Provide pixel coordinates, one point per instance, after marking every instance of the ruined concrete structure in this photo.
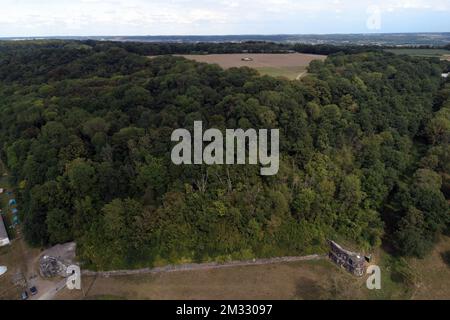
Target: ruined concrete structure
(51, 267)
(353, 262)
(4, 239)
(55, 260)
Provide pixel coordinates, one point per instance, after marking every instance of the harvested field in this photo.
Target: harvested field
(289, 65)
(261, 60)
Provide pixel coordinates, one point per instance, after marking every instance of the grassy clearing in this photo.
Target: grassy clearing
(290, 73)
(433, 273)
(401, 279)
(294, 281)
(413, 278)
(397, 279)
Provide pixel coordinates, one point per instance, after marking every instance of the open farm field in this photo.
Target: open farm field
(289, 65)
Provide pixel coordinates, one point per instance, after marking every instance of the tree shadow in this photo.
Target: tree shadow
(446, 257)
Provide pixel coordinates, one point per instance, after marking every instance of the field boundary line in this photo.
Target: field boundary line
(202, 266)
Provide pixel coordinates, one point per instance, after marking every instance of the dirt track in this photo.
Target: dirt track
(201, 266)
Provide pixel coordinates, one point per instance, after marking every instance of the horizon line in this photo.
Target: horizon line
(231, 35)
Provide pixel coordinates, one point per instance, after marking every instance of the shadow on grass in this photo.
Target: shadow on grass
(446, 257)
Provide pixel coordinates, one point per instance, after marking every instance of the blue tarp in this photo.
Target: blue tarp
(15, 211)
(12, 202)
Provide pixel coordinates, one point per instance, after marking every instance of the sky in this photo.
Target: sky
(34, 18)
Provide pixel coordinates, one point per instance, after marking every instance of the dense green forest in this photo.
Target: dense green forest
(85, 131)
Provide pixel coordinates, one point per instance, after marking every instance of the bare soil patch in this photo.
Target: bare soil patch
(258, 60)
(292, 66)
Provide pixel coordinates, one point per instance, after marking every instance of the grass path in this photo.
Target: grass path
(301, 75)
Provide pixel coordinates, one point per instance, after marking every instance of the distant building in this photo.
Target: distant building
(445, 75)
(4, 239)
(353, 262)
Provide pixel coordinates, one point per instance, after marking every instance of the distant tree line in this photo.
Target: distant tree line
(171, 48)
(249, 47)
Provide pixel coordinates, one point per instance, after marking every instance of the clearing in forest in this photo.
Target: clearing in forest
(288, 65)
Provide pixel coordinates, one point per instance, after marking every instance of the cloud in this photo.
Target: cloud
(91, 17)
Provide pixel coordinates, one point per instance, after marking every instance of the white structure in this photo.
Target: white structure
(3, 270)
(4, 240)
(445, 75)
